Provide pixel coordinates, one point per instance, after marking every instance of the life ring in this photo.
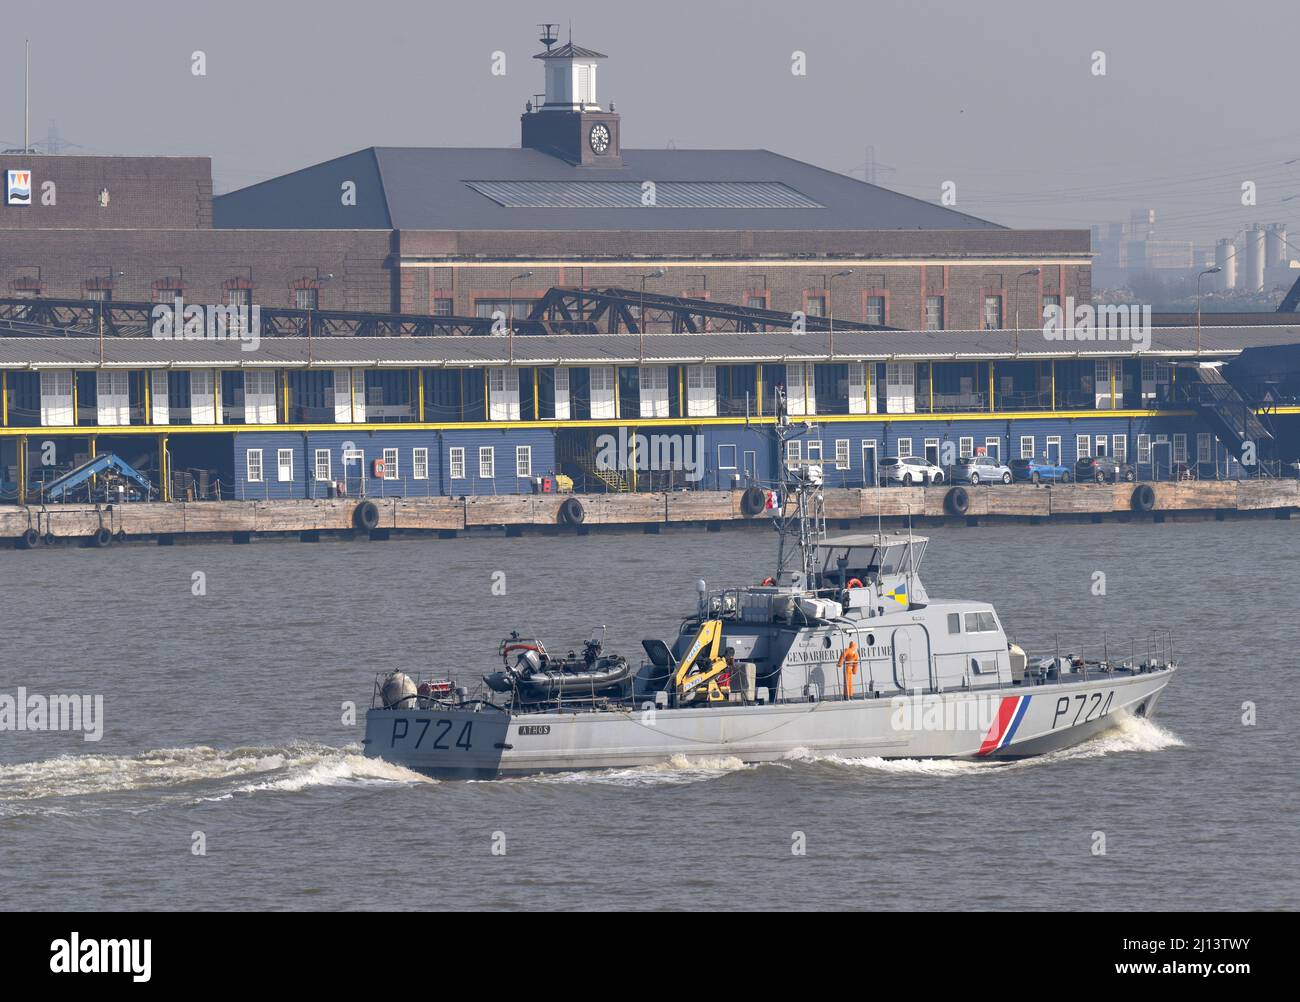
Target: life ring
(572, 512)
(853, 583)
(753, 501)
(957, 501)
(366, 515)
(768, 583)
(1144, 498)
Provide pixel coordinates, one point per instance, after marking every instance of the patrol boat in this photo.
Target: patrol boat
(840, 652)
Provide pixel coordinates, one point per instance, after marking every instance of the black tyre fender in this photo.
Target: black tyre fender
(957, 501)
(752, 501)
(30, 539)
(1144, 498)
(366, 515)
(101, 537)
(572, 512)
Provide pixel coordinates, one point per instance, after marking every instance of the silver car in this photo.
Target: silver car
(908, 470)
(979, 470)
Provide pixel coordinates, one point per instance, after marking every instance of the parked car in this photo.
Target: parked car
(1102, 469)
(1039, 469)
(908, 470)
(979, 470)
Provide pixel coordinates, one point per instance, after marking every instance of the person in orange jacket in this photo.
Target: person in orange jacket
(849, 662)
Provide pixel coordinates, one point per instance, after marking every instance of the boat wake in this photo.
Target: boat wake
(1130, 734)
(676, 771)
(196, 774)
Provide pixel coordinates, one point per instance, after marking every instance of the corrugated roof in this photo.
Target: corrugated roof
(619, 349)
(629, 195)
(427, 189)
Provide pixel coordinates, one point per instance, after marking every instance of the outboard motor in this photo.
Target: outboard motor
(396, 690)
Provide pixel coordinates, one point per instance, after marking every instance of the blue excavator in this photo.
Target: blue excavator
(105, 477)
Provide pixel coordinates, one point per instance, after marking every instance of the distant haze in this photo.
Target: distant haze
(997, 97)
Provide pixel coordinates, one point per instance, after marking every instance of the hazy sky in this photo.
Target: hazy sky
(998, 97)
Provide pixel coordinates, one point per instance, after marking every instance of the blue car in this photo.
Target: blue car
(1040, 470)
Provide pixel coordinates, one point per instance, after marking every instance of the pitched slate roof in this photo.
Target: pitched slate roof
(421, 188)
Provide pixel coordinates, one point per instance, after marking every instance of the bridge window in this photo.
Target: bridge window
(954, 622)
(980, 622)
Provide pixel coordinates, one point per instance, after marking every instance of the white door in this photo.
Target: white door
(562, 394)
(857, 388)
(203, 397)
(259, 396)
(56, 397)
(900, 388)
(343, 396)
(113, 390)
(701, 391)
(503, 394)
(654, 391)
(603, 403)
(159, 402)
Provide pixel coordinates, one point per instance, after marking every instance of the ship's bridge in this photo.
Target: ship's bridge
(869, 556)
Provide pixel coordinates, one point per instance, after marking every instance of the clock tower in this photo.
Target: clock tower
(567, 121)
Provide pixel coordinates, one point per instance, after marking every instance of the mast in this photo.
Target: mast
(806, 524)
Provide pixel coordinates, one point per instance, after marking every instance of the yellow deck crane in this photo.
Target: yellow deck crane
(702, 666)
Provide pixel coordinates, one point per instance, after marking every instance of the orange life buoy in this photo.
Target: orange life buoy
(853, 583)
(768, 582)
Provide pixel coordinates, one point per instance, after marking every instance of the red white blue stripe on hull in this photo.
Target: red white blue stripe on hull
(1003, 729)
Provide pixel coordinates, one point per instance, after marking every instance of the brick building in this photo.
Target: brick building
(446, 230)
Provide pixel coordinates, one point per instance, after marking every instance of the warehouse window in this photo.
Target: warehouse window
(284, 465)
(306, 299)
(793, 453)
(904, 448)
(815, 306)
(1203, 443)
(966, 447)
(487, 467)
(1026, 446)
(1144, 448)
(457, 464)
(523, 460)
(993, 313)
(1180, 448)
(1119, 447)
(390, 464)
(323, 474)
(443, 307)
(1082, 446)
(254, 459)
(875, 311)
(934, 313)
(842, 461)
(419, 464)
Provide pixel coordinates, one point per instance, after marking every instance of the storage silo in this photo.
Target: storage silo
(1275, 249)
(1225, 256)
(1252, 280)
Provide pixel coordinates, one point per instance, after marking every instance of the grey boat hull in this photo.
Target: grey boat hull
(481, 742)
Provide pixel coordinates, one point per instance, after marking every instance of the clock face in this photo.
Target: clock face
(599, 138)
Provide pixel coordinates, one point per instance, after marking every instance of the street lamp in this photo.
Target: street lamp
(640, 320)
(510, 306)
(1024, 274)
(1208, 271)
(830, 307)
